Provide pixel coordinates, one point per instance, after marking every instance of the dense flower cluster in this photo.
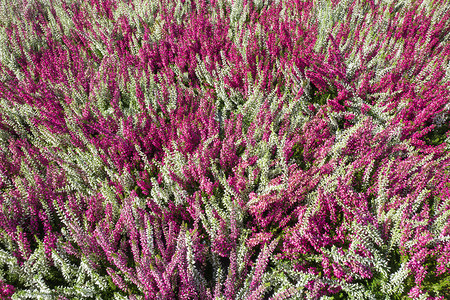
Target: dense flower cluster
(224, 149)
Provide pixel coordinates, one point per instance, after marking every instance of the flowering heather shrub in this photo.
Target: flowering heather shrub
(224, 149)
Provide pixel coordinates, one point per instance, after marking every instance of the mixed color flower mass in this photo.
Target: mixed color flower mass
(224, 149)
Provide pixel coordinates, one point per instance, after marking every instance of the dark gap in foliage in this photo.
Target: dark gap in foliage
(73, 259)
(399, 153)
(255, 252)
(12, 278)
(225, 262)
(341, 123)
(436, 285)
(130, 258)
(405, 191)
(438, 135)
(341, 295)
(290, 279)
(56, 221)
(209, 271)
(221, 205)
(357, 182)
(179, 81)
(277, 230)
(33, 243)
(111, 290)
(373, 283)
(103, 101)
(290, 224)
(192, 187)
(321, 97)
(134, 290)
(175, 291)
(210, 176)
(298, 158)
(55, 278)
(375, 168)
(228, 171)
(248, 220)
(269, 294)
(277, 82)
(273, 153)
(26, 125)
(340, 218)
(395, 260)
(124, 100)
(265, 214)
(218, 192)
(240, 150)
(432, 203)
(246, 122)
(139, 191)
(370, 205)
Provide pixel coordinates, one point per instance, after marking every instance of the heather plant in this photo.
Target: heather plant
(224, 149)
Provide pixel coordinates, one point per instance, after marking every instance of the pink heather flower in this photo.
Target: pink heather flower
(415, 292)
(260, 239)
(365, 108)
(326, 266)
(349, 117)
(6, 290)
(49, 243)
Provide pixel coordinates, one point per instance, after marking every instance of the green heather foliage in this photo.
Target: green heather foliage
(217, 149)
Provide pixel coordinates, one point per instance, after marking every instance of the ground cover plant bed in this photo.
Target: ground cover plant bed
(241, 149)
